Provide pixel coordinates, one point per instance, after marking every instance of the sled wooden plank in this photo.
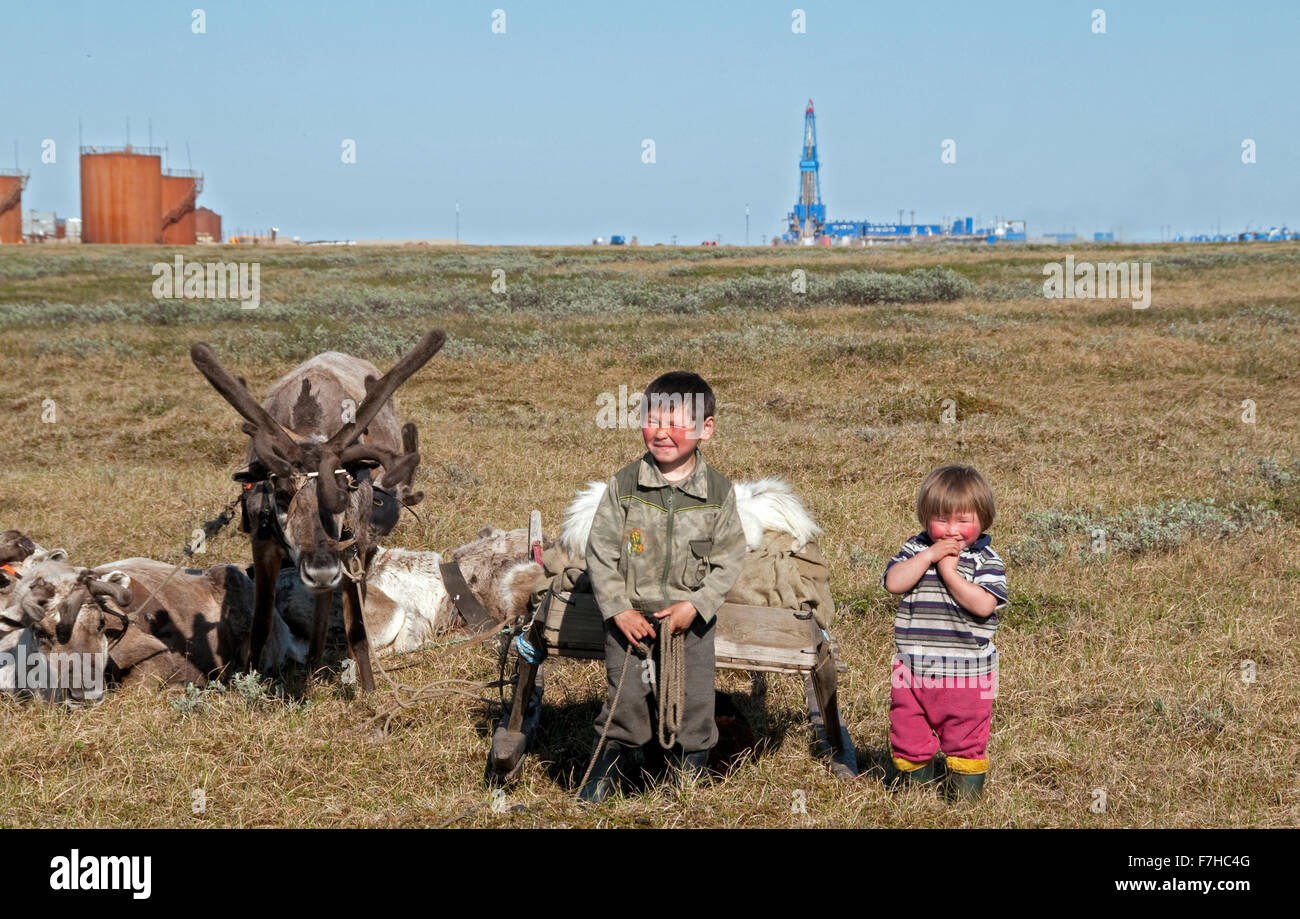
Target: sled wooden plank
(763, 635)
(514, 734)
(748, 637)
(822, 692)
(844, 760)
(730, 663)
(764, 638)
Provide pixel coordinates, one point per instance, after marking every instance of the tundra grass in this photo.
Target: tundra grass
(1146, 465)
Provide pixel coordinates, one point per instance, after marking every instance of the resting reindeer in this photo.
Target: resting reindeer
(17, 552)
(60, 617)
(407, 603)
(308, 492)
(185, 626)
(15, 549)
(180, 626)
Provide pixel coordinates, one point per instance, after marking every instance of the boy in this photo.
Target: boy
(945, 672)
(666, 545)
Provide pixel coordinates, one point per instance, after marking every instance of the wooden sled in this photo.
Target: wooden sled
(759, 639)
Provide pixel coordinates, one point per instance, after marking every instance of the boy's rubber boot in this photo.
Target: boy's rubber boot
(964, 786)
(601, 783)
(922, 776)
(695, 767)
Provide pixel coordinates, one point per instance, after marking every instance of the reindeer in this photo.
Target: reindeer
(60, 616)
(186, 626)
(408, 603)
(180, 626)
(308, 491)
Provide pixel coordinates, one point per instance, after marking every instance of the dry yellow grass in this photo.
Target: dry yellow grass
(1120, 672)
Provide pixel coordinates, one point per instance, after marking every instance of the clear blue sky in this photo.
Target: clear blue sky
(537, 132)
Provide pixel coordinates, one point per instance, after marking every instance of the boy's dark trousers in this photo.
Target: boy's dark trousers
(634, 722)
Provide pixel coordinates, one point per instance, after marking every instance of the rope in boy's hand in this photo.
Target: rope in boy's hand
(672, 684)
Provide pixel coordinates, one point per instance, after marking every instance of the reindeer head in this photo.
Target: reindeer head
(68, 610)
(324, 499)
(15, 550)
(15, 547)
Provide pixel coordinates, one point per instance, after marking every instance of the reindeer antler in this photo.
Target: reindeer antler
(119, 594)
(340, 448)
(402, 479)
(331, 496)
(273, 436)
(380, 391)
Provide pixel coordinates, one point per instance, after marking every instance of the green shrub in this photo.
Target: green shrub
(1136, 530)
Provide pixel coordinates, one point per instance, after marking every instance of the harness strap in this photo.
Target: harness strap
(268, 521)
(468, 605)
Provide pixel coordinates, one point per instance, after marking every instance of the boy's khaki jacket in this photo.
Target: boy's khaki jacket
(655, 543)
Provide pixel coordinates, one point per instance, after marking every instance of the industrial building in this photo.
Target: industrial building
(1272, 234)
(12, 183)
(126, 197)
(207, 225)
(806, 224)
(121, 195)
(39, 226)
(46, 226)
(180, 190)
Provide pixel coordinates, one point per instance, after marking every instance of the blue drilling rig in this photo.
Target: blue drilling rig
(807, 224)
(809, 214)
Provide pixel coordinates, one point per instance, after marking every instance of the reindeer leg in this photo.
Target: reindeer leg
(319, 627)
(354, 621)
(266, 568)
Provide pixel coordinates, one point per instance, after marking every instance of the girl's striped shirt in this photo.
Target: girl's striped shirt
(933, 633)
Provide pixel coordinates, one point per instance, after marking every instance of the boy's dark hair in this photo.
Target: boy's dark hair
(955, 488)
(681, 387)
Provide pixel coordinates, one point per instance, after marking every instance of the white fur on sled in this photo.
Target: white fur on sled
(766, 505)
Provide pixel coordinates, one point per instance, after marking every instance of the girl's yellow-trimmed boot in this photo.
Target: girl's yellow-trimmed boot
(910, 773)
(965, 781)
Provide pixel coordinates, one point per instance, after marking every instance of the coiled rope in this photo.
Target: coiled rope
(671, 688)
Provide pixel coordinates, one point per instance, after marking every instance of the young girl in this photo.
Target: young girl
(945, 671)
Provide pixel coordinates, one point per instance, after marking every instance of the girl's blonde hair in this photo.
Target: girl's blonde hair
(955, 488)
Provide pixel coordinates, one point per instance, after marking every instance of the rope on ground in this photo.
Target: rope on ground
(418, 694)
(469, 639)
(210, 529)
(437, 687)
(604, 731)
(467, 812)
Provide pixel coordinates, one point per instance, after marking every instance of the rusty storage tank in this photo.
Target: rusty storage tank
(121, 195)
(207, 221)
(180, 190)
(12, 183)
